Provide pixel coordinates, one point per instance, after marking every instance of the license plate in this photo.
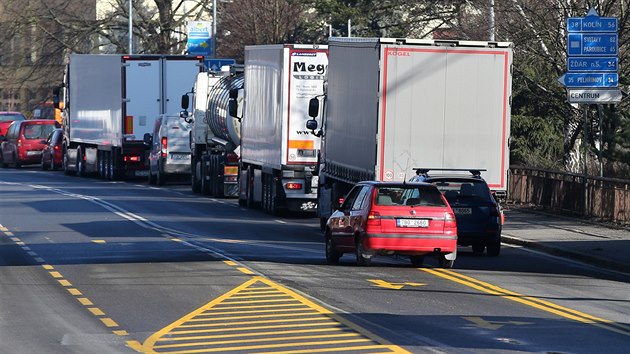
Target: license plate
(141, 173)
(412, 222)
(180, 156)
(33, 153)
(462, 211)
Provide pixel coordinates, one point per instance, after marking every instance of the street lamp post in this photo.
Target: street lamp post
(130, 49)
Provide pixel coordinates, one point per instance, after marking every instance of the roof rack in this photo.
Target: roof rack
(476, 172)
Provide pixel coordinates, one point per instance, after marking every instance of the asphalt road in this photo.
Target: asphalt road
(89, 266)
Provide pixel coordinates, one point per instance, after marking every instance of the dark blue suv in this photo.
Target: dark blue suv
(478, 214)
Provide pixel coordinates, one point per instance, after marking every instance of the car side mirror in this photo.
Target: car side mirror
(311, 124)
(148, 139)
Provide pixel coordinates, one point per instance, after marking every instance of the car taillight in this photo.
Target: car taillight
(294, 186)
(131, 158)
(56, 147)
(19, 142)
(374, 218)
(449, 220)
(164, 146)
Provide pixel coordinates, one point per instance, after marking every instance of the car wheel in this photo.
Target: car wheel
(445, 263)
(332, 255)
(416, 261)
(478, 248)
(160, 179)
(16, 164)
(53, 167)
(362, 260)
(494, 248)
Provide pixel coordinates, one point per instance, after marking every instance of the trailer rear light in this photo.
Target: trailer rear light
(164, 145)
(340, 201)
(293, 185)
(230, 170)
(133, 158)
(374, 218)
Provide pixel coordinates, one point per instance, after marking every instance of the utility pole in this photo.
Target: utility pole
(130, 49)
(491, 21)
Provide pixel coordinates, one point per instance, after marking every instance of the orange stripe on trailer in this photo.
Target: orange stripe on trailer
(230, 170)
(128, 124)
(301, 144)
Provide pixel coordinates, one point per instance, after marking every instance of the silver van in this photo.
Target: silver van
(170, 149)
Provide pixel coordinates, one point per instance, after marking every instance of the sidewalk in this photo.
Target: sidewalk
(573, 238)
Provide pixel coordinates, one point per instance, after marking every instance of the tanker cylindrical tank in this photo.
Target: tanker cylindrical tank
(222, 125)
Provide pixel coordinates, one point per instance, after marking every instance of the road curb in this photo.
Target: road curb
(563, 252)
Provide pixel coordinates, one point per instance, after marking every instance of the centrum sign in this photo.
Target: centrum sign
(595, 96)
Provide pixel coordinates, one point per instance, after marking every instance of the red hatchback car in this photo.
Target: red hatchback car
(412, 219)
(23, 143)
(52, 154)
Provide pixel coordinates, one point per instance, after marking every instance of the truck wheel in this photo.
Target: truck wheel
(109, 166)
(65, 162)
(195, 183)
(205, 188)
(80, 163)
(362, 260)
(332, 255)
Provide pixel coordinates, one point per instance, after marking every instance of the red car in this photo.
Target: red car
(412, 219)
(52, 153)
(23, 143)
(6, 118)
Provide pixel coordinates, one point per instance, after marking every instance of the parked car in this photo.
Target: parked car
(52, 154)
(6, 118)
(170, 149)
(23, 143)
(479, 215)
(412, 219)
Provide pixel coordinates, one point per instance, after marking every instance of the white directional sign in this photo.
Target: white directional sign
(593, 96)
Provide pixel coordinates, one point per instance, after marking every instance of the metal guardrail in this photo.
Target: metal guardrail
(604, 199)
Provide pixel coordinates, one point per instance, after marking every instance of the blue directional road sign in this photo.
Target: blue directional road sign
(589, 64)
(216, 64)
(589, 80)
(592, 23)
(593, 44)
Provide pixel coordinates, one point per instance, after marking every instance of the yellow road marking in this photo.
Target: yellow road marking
(85, 301)
(109, 322)
(56, 275)
(264, 324)
(245, 271)
(47, 267)
(96, 311)
(230, 263)
(394, 349)
(75, 292)
(99, 241)
(121, 333)
(64, 282)
(530, 301)
(394, 286)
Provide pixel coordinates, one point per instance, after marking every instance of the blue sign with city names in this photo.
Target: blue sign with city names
(592, 24)
(587, 80)
(595, 44)
(588, 64)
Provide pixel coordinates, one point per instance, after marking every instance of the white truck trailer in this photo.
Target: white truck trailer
(216, 133)
(396, 104)
(278, 156)
(111, 101)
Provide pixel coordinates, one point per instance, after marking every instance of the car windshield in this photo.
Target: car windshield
(454, 190)
(38, 131)
(409, 195)
(9, 117)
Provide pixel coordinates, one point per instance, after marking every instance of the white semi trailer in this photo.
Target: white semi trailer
(396, 104)
(112, 101)
(278, 156)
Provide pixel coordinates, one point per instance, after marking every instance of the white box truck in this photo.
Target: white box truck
(396, 104)
(278, 156)
(112, 101)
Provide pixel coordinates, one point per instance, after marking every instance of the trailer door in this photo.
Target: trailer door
(178, 78)
(141, 81)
